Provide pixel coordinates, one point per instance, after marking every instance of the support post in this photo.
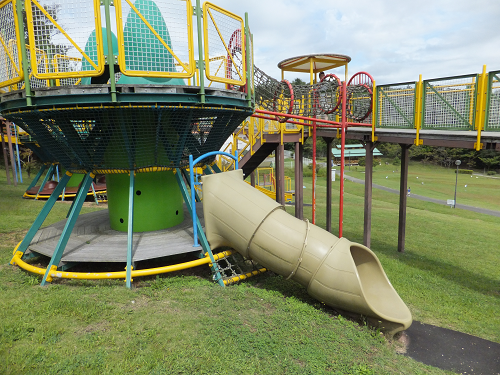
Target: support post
(342, 156)
(299, 181)
(403, 186)
(19, 155)
(280, 174)
(130, 229)
(329, 142)
(201, 62)
(23, 246)
(109, 52)
(187, 179)
(94, 194)
(4, 149)
(68, 228)
(37, 177)
(49, 174)
(367, 232)
(252, 178)
(24, 55)
(11, 152)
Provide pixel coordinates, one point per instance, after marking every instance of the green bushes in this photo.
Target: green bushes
(464, 171)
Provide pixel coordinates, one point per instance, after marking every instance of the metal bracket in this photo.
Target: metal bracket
(196, 10)
(198, 63)
(420, 142)
(481, 146)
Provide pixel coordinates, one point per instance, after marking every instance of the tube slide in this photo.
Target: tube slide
(337, 272)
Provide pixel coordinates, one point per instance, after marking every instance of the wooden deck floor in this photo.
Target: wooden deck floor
(92, 240)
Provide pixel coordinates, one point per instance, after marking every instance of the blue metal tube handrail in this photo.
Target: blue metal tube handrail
(192, 163)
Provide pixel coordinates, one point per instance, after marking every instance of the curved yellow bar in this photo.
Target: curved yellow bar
(235, 279)
(16, 260)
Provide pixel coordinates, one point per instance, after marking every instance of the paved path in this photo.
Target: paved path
(452, 350)
(427, 199)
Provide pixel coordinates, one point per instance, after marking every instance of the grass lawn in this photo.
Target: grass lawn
(186, 324)
(438, 182)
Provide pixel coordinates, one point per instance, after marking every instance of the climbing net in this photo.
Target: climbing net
(235, 267)
(317, 100)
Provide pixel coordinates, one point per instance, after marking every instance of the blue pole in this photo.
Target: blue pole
(192, 182)
(130, 230)
(95, 196)
(193, 201)
(49, 174)
(18, 156)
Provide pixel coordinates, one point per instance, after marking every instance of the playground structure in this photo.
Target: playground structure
(114, 101)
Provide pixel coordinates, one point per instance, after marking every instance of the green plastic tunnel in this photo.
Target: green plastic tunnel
(335, 271)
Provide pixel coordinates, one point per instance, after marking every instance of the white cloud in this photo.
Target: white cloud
(395, 41)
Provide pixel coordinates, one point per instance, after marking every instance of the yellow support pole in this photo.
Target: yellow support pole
(481, 107)
(418, 111)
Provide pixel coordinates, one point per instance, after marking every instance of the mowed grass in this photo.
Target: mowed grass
(186, 324)
(438, 182)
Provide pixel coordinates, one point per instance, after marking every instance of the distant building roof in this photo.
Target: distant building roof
(354, 151)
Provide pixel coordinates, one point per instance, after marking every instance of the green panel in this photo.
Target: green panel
(91, 51)
(143, 50)
(75, 179)
(158, 201)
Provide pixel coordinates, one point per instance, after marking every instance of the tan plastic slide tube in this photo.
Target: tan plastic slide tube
(337, 272)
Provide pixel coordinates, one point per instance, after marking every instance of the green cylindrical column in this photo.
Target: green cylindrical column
(158, 201)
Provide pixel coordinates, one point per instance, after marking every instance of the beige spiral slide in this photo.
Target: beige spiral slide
(335, 271)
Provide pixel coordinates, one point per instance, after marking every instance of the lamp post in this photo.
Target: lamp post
(457, 163)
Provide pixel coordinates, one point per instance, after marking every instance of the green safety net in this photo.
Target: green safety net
(128, 137)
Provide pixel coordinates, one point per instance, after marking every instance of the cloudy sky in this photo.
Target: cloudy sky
(393, 40)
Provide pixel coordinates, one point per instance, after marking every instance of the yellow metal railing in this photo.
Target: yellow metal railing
(153, 39)
(216, 22)
(38, 41)
(11, 71)
(160, 39)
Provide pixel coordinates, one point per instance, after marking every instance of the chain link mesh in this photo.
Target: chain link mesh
(396, 106)
(493, 123)
(450, 103)
(10, 69)
(128, 137)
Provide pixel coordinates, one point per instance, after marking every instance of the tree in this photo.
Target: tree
(298, 81)
(44, 30)
(490, 158)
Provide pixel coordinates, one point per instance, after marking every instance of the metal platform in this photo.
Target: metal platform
(93, 241)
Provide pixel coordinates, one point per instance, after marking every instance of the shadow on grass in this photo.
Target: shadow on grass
(456, 274)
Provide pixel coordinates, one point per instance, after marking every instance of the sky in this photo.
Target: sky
(393, 40)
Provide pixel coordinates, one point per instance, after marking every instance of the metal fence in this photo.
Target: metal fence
(73, 42)
(460, 103)
(396, 105)
(493, 102)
